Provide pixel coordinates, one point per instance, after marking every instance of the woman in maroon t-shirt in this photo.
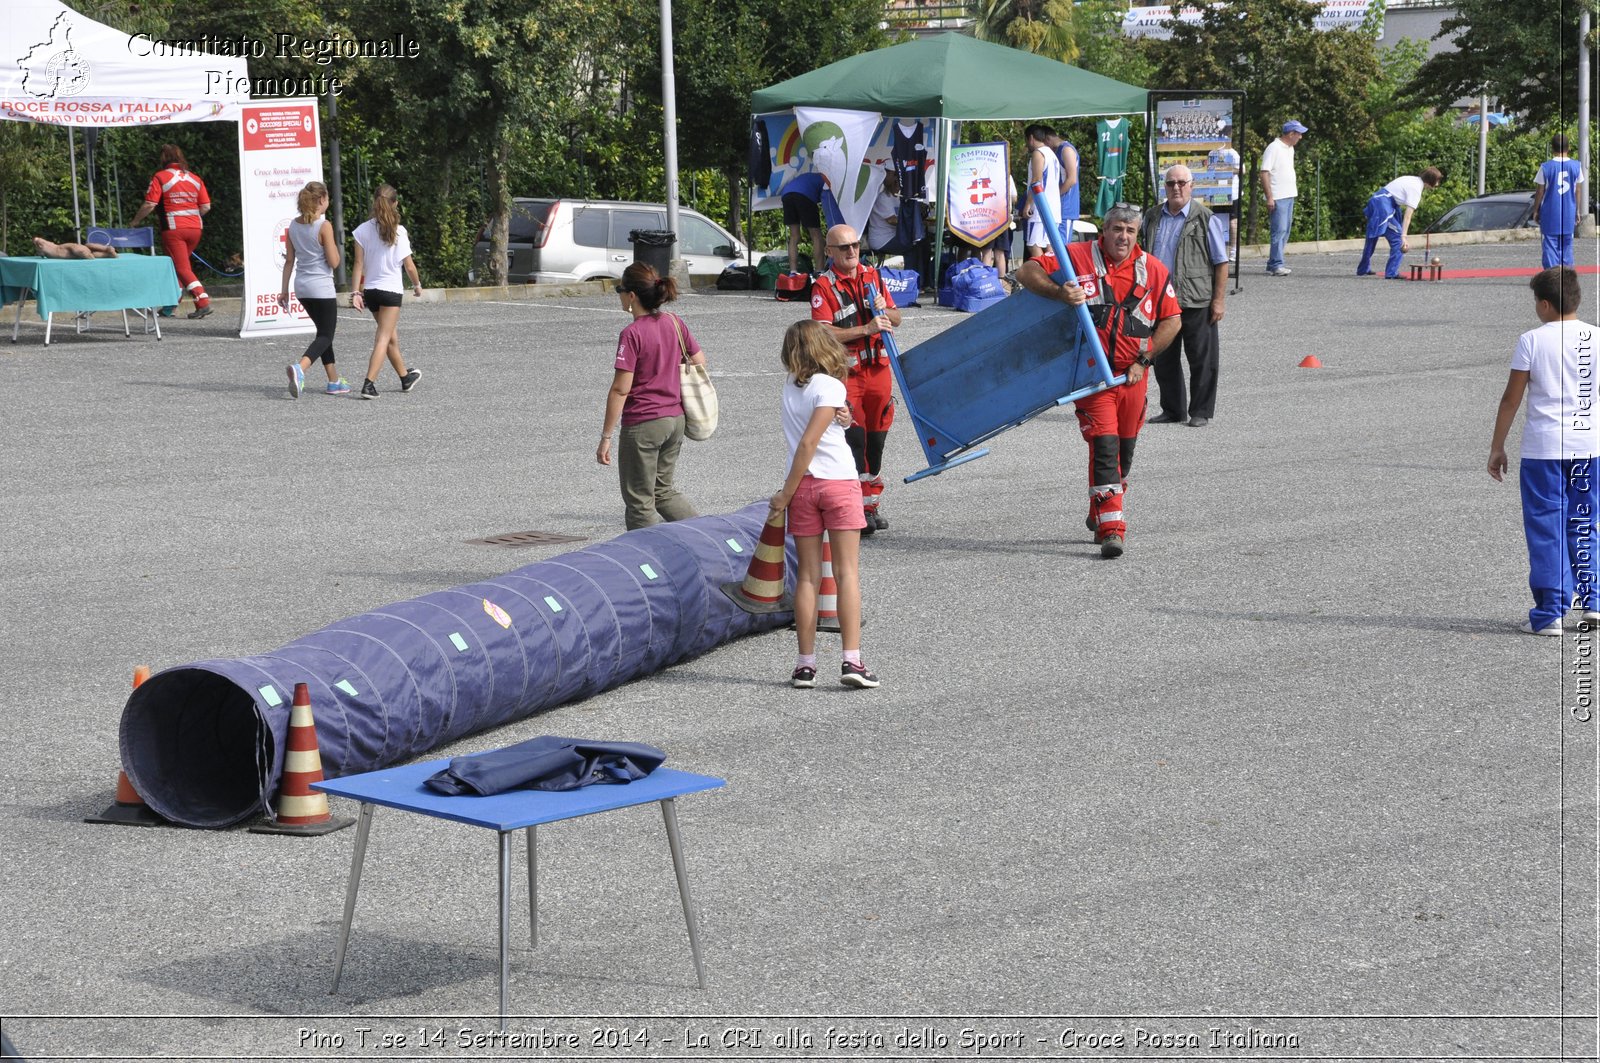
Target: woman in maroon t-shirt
(645, 399)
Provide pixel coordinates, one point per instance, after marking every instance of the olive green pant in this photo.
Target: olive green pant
(647, 454)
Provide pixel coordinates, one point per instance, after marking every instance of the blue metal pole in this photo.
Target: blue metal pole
(1052, 229)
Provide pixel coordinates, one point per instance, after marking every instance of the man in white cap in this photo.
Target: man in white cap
(1278, 184)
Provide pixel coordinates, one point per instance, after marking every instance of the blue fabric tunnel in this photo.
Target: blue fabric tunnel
(203, 743)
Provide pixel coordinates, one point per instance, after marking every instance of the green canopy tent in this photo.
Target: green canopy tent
(953, 77)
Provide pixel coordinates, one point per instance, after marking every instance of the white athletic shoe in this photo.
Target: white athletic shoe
(1553, 629)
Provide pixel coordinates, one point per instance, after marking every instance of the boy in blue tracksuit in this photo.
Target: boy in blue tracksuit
(1554, 366)
(1555, 203)
(1389, 218)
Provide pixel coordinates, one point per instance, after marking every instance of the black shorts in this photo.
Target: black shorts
(376, 297)
(801, 209)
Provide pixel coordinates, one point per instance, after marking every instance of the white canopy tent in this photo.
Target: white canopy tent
(58, 67)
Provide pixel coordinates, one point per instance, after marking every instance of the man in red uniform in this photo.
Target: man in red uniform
(1136, 314)
(182, 198)
(839, 300)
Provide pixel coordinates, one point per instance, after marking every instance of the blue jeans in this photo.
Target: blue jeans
(1282, 215)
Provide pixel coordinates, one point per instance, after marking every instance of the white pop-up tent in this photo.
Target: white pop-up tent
(59, 67)
(63, 68)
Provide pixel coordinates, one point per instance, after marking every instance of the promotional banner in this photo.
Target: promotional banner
(1156, 22)
(839, 144)
(978, 191)
(1199, 133)
(790, 157)
(280, 149)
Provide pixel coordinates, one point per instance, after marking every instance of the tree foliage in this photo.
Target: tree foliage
(1043, 27)
(1524, 55)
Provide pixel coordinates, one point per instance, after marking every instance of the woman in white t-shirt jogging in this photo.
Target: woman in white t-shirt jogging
(310, 257)
(383, 250)
(821, 493)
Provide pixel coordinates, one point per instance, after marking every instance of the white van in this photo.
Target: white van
(561, 240)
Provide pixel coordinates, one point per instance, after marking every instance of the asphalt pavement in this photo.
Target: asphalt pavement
(1283, 781)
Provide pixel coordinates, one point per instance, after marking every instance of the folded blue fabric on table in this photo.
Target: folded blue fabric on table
(547, 763)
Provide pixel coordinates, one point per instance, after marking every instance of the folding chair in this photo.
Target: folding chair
(125, 239)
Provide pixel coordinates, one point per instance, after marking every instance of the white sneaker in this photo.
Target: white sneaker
(1281, 271)
(297, 381)
(1553, 628)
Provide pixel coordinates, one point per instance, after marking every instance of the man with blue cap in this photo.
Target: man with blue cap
(1278, 185)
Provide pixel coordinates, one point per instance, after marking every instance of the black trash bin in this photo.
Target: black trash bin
(653, 247)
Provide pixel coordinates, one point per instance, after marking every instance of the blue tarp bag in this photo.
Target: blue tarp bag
(971, 287)
(903, 285)
(547, 763)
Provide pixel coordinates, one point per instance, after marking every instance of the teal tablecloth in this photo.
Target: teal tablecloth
(127, 282)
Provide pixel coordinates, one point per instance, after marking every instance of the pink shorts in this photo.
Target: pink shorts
(834, 505)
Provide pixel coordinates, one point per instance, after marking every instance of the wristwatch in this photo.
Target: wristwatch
(1144, 360)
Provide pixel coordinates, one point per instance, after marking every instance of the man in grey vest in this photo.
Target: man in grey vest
(1192, 243)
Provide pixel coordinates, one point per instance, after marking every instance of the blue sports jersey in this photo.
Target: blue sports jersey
(1558, 214)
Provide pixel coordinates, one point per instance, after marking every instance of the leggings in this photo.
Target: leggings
(324, 313)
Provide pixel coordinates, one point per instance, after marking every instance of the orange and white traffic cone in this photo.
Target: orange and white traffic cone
(762, 590)
(129, 809)
(301, 810)
(827, 591)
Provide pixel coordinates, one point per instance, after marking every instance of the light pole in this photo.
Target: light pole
(669, 110)
(1583, 108)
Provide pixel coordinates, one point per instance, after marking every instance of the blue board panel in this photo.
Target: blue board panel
(995, 370)
(999, 367)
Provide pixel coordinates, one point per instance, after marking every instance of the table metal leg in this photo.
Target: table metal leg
(17, 322)
(670, 814)
(126, 331)
(505, 925)
(533, 887)
(49, 320)
(363, 826)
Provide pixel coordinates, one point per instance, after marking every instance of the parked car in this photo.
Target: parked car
(1503, 210)
(561, 240)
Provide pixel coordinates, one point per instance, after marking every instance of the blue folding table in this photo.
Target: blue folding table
(505, 813)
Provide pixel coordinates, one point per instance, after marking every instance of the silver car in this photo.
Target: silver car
(561, 240)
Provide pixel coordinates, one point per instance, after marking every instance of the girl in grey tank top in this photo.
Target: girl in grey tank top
(311, 257)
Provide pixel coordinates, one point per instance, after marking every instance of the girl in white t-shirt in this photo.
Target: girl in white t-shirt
(383, 250)
(821, 493)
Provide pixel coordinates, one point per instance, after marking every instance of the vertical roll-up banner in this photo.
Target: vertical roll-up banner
(280, 149)
(979, 191)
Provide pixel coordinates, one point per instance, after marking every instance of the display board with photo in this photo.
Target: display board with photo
(1199, 133)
